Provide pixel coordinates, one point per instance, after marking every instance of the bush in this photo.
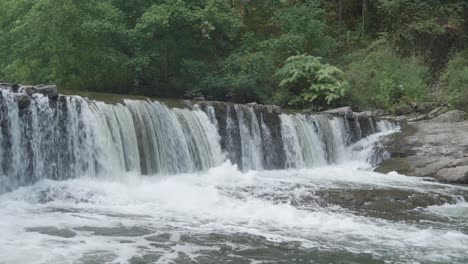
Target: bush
(380, 79)
(305, 81)
(454, 81)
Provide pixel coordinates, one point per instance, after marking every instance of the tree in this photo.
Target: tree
(424, 27)
(311, 82)
(70, 43)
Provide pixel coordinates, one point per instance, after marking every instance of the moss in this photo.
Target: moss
(399, 165)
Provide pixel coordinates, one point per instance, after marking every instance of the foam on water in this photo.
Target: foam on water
(224, 201)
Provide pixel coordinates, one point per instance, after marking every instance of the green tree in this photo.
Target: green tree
(431, 28)
(310, 82)
(68, 42)
(381, 79)
(174, 37)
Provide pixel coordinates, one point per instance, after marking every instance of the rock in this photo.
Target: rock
(453, 116)
(428, 149)
(453, 175)
(378, 112)
(274, 109)
(199, 98)
(418, 118)
(403, 109)
(23, 100)
(398, 119)
(363, 114)
(50, 91)
(429, 169)
(435, 112)
(459, 162)
(346, 111)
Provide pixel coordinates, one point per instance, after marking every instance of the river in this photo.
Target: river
(139, 182)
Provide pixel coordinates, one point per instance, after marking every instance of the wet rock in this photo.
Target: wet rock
(344, 111)
(52, 231)
(50, 91)
(123, 231)
(23, 101)
(9, 86)
(274, 109)
(399, 165)
(453, 116)
(382, 199)
(453, 175)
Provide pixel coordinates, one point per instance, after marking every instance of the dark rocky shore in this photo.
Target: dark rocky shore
(433, 145)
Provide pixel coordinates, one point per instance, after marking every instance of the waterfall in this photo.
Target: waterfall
(68, 137)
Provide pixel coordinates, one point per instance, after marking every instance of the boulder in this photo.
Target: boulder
(429, 149)
(453, 116)
(403, 109)
(453, 175)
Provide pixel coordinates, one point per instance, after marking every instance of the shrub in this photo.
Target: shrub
(454, 81)
(309, 82)
(380, 79)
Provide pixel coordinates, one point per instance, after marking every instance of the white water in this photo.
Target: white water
(223, 201)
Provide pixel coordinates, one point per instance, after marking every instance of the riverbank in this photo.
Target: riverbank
(437, 148)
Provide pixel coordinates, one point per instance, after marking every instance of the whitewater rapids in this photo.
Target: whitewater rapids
(226, 216)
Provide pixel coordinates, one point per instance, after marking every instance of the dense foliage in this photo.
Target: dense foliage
(388, 51)
(379, 79)
(455, 81)
(306, 81)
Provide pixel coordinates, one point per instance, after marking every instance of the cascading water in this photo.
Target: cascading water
(71, 137)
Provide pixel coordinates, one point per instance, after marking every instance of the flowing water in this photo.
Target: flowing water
(139, 182)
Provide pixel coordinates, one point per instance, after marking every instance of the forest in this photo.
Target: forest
(368, 54)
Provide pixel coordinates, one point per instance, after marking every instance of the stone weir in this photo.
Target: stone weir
(46, 135)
